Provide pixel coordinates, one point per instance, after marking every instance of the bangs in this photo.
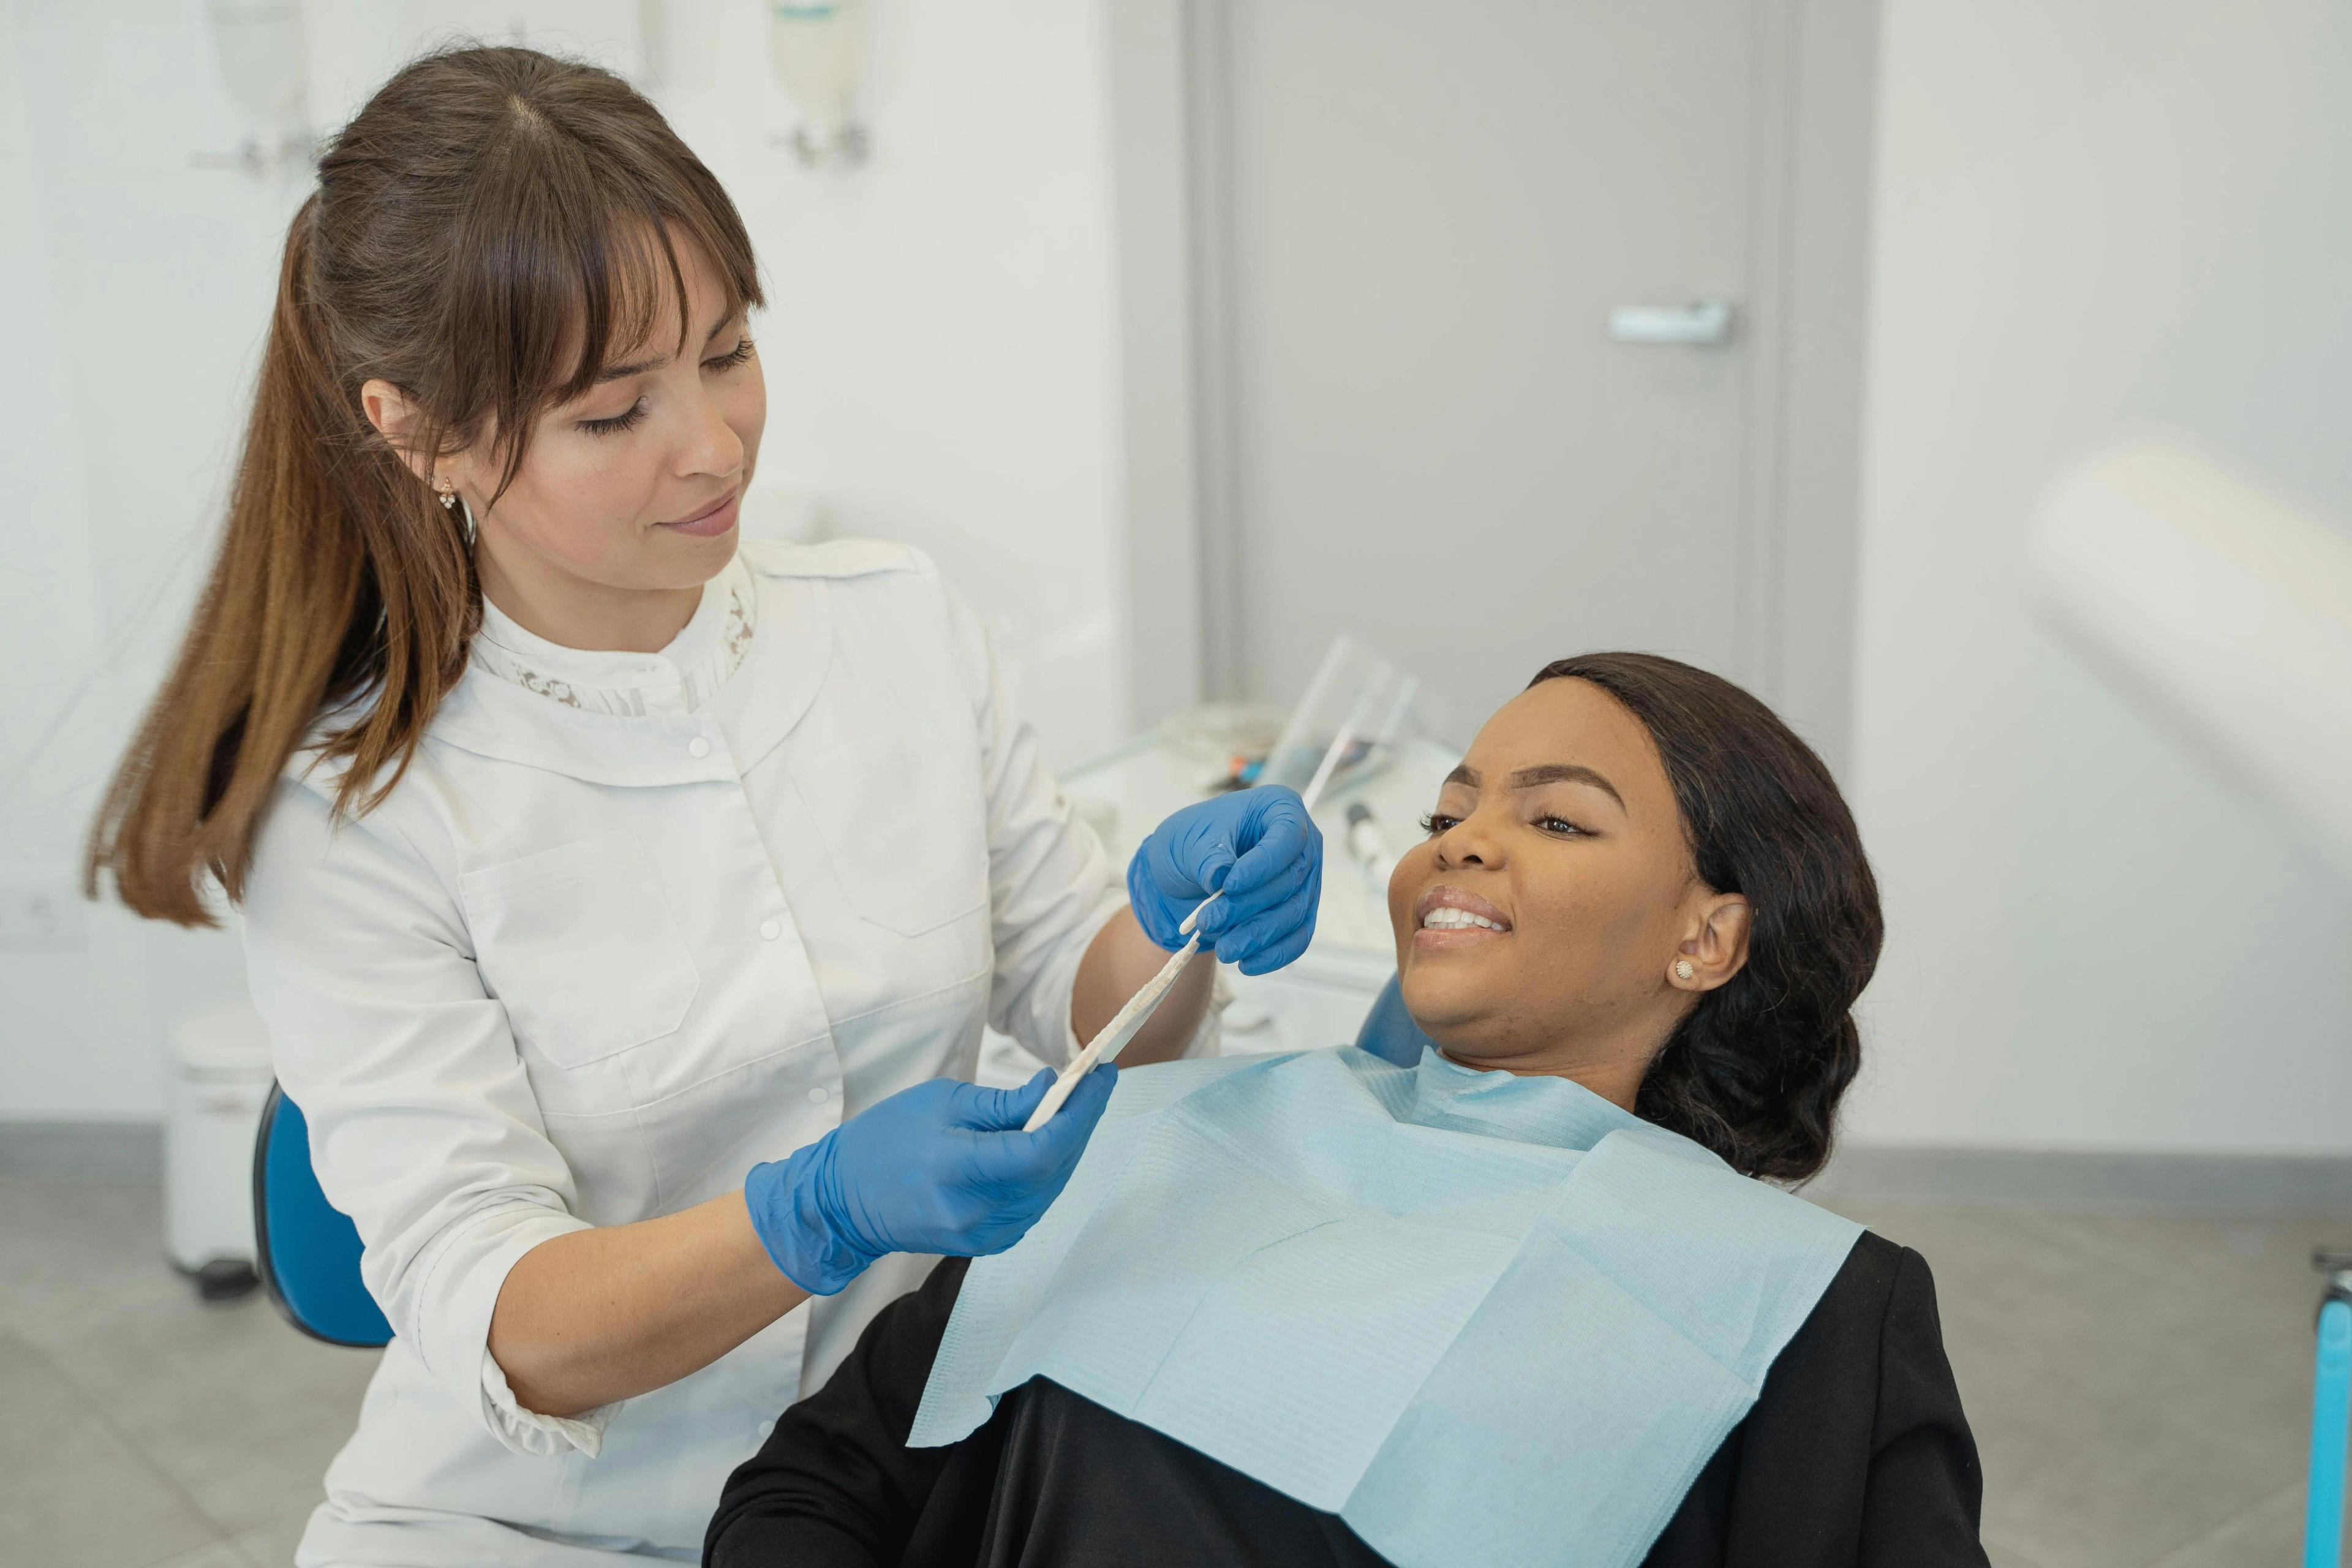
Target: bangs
(574, 259)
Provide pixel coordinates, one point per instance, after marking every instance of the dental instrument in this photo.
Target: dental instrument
(1125, 1024)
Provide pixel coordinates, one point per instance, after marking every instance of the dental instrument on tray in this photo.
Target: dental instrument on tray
(1366, 846)
(1125, 1024)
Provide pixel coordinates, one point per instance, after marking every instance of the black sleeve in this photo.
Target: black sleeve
(1926, 1489)
(836, 1483)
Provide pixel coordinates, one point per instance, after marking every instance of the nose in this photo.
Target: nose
(712, 447)
(1470, 842)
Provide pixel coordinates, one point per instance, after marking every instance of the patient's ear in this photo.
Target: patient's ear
(1714, 948)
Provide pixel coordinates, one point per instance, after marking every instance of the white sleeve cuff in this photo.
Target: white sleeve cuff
(529, 1432)
(460, 1294)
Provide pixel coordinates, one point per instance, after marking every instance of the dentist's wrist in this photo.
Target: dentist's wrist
(797, 1215)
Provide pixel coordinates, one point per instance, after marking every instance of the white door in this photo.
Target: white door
(1428, 215)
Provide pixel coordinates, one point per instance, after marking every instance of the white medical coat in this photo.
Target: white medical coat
(584, 968)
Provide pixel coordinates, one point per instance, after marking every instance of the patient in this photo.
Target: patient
(1535, 1295)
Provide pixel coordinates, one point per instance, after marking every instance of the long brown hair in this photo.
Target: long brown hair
(487, 228)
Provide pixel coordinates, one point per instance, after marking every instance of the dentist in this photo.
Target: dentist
(623, 901)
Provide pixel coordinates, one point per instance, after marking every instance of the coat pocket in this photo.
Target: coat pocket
(579, 945)
(905, 828)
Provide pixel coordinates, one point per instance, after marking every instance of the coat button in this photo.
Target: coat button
(769, 930)
(698, 747)
(819, 1095)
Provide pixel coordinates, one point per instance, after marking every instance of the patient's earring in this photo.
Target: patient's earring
(448, 491)
(1685, 969)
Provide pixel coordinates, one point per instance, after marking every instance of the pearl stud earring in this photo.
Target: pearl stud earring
(1683, 970)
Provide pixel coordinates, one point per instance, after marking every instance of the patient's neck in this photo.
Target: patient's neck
(1617, 1082)
(1610, 1062)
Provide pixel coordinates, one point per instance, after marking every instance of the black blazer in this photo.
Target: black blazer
(1856, 1453)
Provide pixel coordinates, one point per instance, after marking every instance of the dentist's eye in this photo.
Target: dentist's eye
(1436, 823)
(629, 420)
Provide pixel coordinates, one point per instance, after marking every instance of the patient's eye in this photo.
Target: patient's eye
(1560, 825)
(1437, 822)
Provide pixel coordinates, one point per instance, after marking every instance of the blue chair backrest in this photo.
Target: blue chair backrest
(307, 1250)
(1388, 1030)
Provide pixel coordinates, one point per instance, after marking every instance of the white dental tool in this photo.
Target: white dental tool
(1125, 1024)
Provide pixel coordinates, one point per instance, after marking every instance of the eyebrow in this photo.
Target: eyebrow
(639, 366)
(1544, 774)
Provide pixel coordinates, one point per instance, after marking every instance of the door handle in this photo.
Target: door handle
(1700, 322)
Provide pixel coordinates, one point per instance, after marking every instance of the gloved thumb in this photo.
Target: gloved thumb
(999, 1110)
(1052, 1152)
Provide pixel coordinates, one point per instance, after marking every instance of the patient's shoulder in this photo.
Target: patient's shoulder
(1880, 1279)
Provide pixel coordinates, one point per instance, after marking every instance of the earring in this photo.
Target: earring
(448, 491)
(1683, 971)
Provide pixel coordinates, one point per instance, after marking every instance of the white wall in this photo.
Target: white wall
(940, 356)
(941, 340)
(2094, 217)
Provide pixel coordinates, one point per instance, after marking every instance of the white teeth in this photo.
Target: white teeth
(1445, 917)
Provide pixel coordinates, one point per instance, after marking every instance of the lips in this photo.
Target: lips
(1449, 916)
(713, 519)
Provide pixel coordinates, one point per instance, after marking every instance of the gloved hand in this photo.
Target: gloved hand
(942, 1167)
(1260, 848)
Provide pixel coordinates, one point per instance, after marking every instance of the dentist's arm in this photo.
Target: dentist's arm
(597, 1315)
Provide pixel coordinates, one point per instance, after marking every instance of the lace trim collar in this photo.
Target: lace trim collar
(678, 680)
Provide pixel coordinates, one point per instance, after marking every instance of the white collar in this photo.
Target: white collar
(679, 680)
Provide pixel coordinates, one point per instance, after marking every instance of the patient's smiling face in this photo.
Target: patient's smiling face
(1540, 924)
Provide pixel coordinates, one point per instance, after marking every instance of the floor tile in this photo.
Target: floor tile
(220, 1554)
(68, 1248)
(2268, 1535)
(74, 1492)
(229, 1401)
(2135, 1386)
(271, 1545)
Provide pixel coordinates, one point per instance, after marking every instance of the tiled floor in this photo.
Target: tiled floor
(2138, 1387)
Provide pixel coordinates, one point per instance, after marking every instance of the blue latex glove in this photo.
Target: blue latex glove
(942, 1167)
(1257, 846)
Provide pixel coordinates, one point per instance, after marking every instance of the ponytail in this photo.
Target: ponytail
(475, 223)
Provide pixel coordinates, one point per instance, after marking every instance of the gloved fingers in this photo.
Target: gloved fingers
(1159, 915)
(1049, 1154)
(997, 1110)
(1273, 834)
(1186, 864)
(1282, 953)
(1273, 937)
(1230, 913)
(1064, 1139)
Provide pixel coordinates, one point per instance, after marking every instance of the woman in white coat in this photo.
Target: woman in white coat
(623, 905)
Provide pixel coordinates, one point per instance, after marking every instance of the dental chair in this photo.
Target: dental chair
(307, 1250)
(1389, 1031)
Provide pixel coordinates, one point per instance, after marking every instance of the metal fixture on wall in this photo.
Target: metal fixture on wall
(258, 47)
(817, 50)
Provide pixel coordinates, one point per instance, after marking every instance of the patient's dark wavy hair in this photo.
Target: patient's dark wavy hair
(1756, 1070)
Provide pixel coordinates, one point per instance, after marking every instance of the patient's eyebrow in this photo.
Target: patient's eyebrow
(1547, 773)
(1567, 772)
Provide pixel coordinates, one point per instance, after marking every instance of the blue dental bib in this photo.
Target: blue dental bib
(1483, 1319)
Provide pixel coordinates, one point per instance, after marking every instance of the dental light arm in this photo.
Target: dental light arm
(2220, 607)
